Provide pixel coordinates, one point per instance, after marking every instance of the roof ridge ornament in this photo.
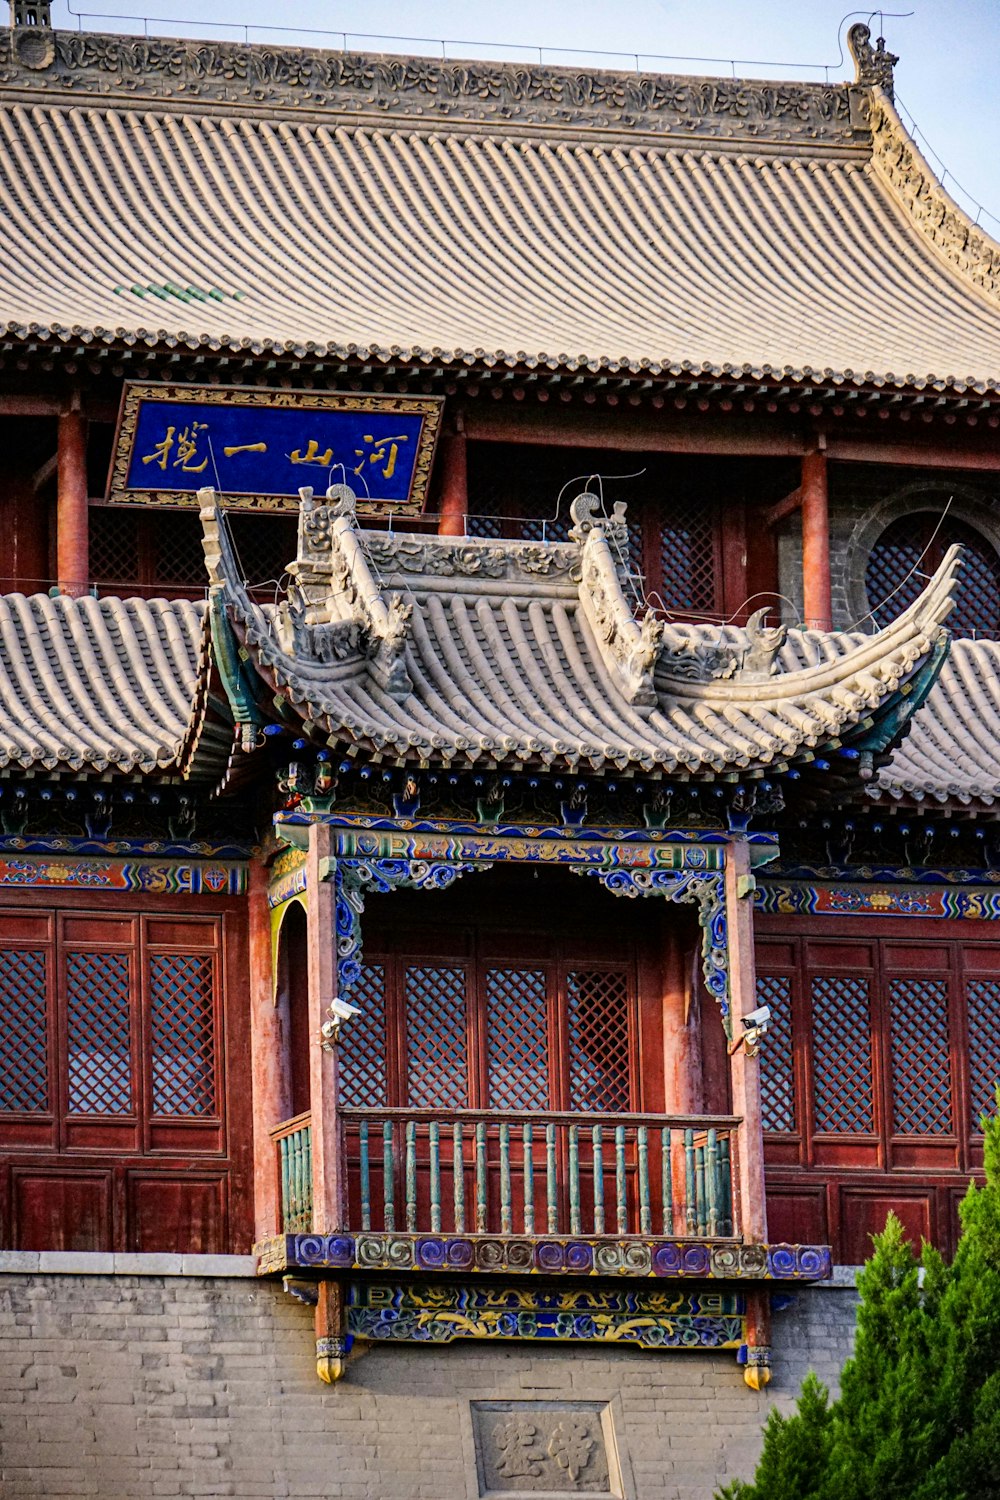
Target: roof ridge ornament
(333, 593)
(873, 65)
(630, 647)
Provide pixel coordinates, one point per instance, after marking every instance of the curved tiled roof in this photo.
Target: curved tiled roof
(99, 684)
(477, 652)
(952, 753)
(159, 224)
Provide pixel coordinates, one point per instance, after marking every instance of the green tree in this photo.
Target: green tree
(918, 1417)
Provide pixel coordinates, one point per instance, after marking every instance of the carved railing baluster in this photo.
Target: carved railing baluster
(598, 1148)
(621, 1193)
(528, 1179)
(481, 1177)
(388, 1173)
(667, 1178)
(726, 1179)
(434, 1155)
(690, 1204)
(712, 1182)
(458, 1167)
(645, 1216)
(506, 1218)
(551, 1180)
(365, 1172)
(411, 1176)
(574, 1179)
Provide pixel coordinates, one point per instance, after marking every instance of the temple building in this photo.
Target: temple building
(499, 722)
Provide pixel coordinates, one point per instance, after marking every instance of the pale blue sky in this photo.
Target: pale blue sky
(948, 78)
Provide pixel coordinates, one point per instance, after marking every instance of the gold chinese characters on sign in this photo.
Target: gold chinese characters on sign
(252, 445)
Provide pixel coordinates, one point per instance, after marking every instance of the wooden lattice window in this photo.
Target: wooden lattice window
(114, 546)
(144, 550)
(597, 1015)
(842, 1054)
(777, 1068)
(436, 1045)
(678, 511)
(517, 1038)
(182, 1019)
(24, 1030)
(489, 1033)
(921, 1061)
(907, 553)
(99, 1033)
(363, 1044)
(983, 1001)
(108, 1021)
(683, 562)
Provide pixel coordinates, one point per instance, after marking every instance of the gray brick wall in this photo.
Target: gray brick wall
(136, 1387)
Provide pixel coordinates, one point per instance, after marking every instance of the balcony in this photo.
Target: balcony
(481, 1191)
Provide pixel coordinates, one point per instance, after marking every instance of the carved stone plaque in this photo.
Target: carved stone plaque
(551, 1448)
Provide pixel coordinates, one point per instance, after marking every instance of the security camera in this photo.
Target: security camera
(343, 1011)
(755, 1023)
(339, 1011)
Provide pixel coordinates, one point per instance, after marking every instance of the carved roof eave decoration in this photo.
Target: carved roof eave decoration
(527, 654)
(379, 88)
(957, 240)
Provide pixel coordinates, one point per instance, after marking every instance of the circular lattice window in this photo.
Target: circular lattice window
(907, 553)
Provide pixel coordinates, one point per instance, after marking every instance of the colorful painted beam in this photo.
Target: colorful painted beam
(724, 1260)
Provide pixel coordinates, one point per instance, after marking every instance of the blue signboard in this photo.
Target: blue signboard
(258, 448)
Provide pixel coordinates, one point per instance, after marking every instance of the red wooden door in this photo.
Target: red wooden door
(881, 1060)
(113, 1124)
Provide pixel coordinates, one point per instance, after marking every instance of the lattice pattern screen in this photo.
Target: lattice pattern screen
(114, 545)
(921, 1066)
(907, 553)
(777, 1071)
(265, 545)
(842, 1054)
(363, 1071)
(436, 1047)
(182, 1021)
(178, 556)
(983, 1000)
(24, 1078)
(98, 1033)
(892, 574)
(598, 1023)
(688, 579)
(517, 1038)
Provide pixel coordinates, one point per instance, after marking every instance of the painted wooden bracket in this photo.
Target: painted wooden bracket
(757, 1358)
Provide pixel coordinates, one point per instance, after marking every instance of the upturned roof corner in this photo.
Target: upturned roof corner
(469, 651)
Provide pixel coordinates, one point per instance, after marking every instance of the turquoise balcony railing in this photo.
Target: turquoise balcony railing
(536, 1173)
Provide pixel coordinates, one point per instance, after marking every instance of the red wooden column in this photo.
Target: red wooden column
(72, 548)
(329, 1197)
(744, 1070)
(683, 1094)
(454, 481)
(268, 1067)
(815, 542)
